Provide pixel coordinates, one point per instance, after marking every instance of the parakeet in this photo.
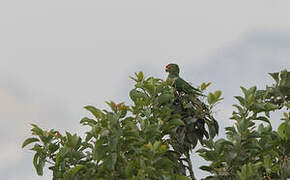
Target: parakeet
(180, 84)
(195, 113)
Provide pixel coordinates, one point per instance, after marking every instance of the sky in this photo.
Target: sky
(58, 56)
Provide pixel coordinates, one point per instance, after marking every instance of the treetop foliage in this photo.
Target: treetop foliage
(155, 136)
(250, 151)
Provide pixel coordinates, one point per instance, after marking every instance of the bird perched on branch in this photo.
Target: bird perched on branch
(193, 111)
(178, 83)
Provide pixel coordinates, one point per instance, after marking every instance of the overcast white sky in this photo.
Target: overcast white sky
(58, 56)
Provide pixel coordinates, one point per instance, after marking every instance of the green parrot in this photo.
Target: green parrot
(180, 84)
(201, 111)
(195, 114)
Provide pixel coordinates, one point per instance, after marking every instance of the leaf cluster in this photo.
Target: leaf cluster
(128, 142)
(254, 150)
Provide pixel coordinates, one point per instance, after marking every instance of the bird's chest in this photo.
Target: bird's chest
(171, 81)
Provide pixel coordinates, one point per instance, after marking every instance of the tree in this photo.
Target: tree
(154, 137)
(151, 139)
(251, 151)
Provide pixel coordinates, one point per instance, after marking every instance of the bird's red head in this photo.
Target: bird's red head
(167, 68)
(172, 68)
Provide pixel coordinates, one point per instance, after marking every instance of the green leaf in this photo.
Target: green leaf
(202, 150)
(284, 131)
(258, 107)
(38, 164)
(28, 141)
(241, 100)
(275, 76)
(135, 95)
(37, 148)
(76, 169)
(96, 112)
(176, 122)
(211, 98)
(164, 163)
(283, 77)
(262, 118)
(208, 143)
(268, 161)
(271, 106)
(252, 90)
(286, 115)
(88, 121)
(112, 105)
(70, 174)
(287, 105)
(62, 153)
(206, 168)
(140, 76)
(211, 156)
(73, 140)
(204, 86)
(136, 80)
(35, 161)
(36, 130)
(53, 147)
(217, 94)
(156, 145)
(110, 162)
(212, 130)
(164, 98)
(245, 91)
(241, 110)
(192, 139)
(219, 144)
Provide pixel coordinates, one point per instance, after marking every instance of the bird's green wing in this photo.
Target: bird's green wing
(182, 85)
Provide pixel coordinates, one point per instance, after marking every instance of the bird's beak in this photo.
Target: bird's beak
(167, 68)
